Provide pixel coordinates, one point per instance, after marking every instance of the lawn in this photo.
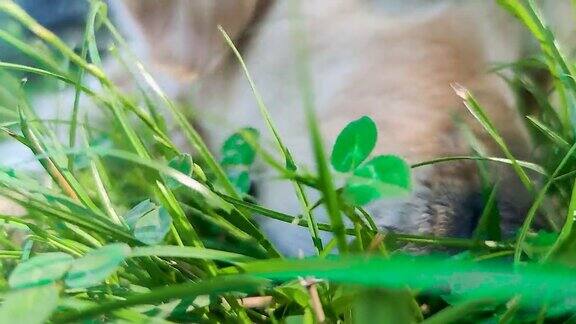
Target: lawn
(116, 223)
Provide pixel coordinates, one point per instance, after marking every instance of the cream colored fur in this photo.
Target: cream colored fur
(393, 60)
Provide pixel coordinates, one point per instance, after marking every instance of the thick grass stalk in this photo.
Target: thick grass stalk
(88, 34)
(306, 88)
(75, 110)
(188, 235)
(47, 163)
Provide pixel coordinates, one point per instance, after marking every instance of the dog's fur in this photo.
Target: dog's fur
(393, 60)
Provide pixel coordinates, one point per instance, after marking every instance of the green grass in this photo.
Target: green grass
(133, 229)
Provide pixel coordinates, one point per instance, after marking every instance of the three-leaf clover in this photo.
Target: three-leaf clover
(382, 176)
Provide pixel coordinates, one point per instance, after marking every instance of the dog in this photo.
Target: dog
(392, 60)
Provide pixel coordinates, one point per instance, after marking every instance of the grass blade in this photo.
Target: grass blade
(211, 286)
(548, 132)
(523, 232)
(190, 252)
(480, 115)
(305, 83)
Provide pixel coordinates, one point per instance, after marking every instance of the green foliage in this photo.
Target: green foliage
(30, 305)
(96, 266)
(189, 252)
(40, 270)
(238, 155)
(381, 177)
(141, 209)
(182, 163)
(240, 179)
(187, 249)
(148, 222)
(152, 227)
(353, 145)
(238, 150)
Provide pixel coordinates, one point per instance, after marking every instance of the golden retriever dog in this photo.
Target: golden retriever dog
(396, 61)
